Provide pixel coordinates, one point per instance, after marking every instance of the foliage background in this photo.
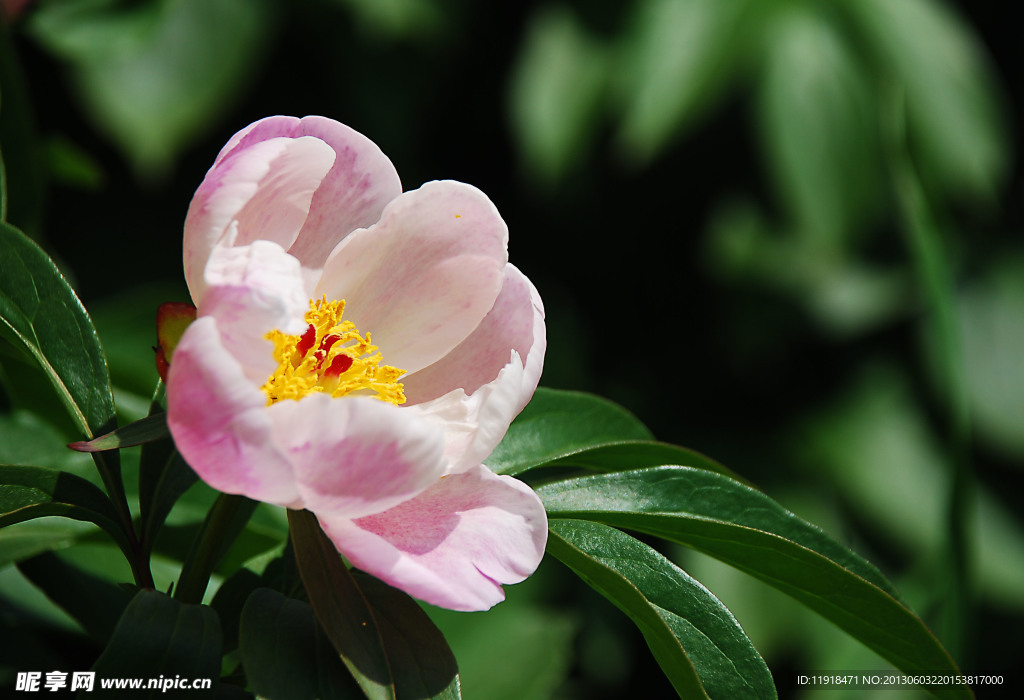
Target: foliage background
(706, 195)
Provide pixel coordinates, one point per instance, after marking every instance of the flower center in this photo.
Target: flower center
(332, 357)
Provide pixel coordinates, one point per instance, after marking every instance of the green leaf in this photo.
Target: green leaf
(555, 91)
(816, 110)
(33, 492)
(747, 529)
(94, 602)
(40, 313)
(956, 125)
(284, 653)
(32, 537)
(148, 429)
(149, 90)
(695, 639)
(158, 636)
(387, 642)
(636, 454)
(557, 424)
(422, 665)
(678, 58)
(340, 606)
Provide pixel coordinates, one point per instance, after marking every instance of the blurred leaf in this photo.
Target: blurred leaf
(158, 636)
(819, 126)
(387, 642)
(33, 492)
(155, 74)
(27, 439)
(557, 424)
(555, 91)
(70, 165)
(40, 313)
(144, 430)
(22, 182)
(284, 653)
(696, 640)
(992, 326)
(679, 56)
(94, 602)
(164, 478)
(398, 18)
(31, 537)
(747, 529)
(877, 424)
(956, 128)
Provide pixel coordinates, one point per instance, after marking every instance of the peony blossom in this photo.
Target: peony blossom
(359, 352)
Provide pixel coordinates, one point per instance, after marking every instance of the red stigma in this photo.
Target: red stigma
(306, 341)
(339, 365)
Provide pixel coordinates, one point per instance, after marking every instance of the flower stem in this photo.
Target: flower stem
(223, 524)
(925, 243)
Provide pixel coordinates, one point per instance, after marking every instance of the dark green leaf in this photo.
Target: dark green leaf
(421, 663)
(34, 492)
(40, 313)
(696, 640)
(229, 601)
(557, 424)
(94, 602)
(148, 429)
(284, 652)
(341, 607)
(750, 531)
(159, 636)
(637, 454)
(222, 526)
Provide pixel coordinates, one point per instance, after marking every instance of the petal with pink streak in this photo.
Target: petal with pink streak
(219, 421)
(351, 196)
(259, 193)
(454, 545)
(355, 456)
(423, 278)
(516, 322)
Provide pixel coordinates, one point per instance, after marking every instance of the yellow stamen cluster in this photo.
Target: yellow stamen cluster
(331, 357)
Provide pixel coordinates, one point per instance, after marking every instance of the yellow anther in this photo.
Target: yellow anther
(332, 357)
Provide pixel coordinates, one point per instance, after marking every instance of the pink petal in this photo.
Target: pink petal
(262, 192)
(352, 195)
(220, 423)
(422, 279)
(454, 545)
(355, 456)
(516, 322)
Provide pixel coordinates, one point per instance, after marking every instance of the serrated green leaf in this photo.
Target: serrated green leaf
(281, 649)
(40, 313)
(695, 639)
(557, 424)
(33, 492)
(747, 529)
(159, 636)
(94, 603)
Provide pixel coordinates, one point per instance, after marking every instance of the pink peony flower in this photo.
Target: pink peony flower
(358, 352)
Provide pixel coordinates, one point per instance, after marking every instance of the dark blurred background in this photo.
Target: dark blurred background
(718, 201)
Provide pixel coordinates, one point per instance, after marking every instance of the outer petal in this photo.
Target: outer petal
(496, 386)
(351, 196)
(422, 279)
(262, 192)
(356, 456)
(454, 545)
(220, 423)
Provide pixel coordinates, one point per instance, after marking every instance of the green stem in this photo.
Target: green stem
(223, 524)
(936, 279)
(136, 556)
